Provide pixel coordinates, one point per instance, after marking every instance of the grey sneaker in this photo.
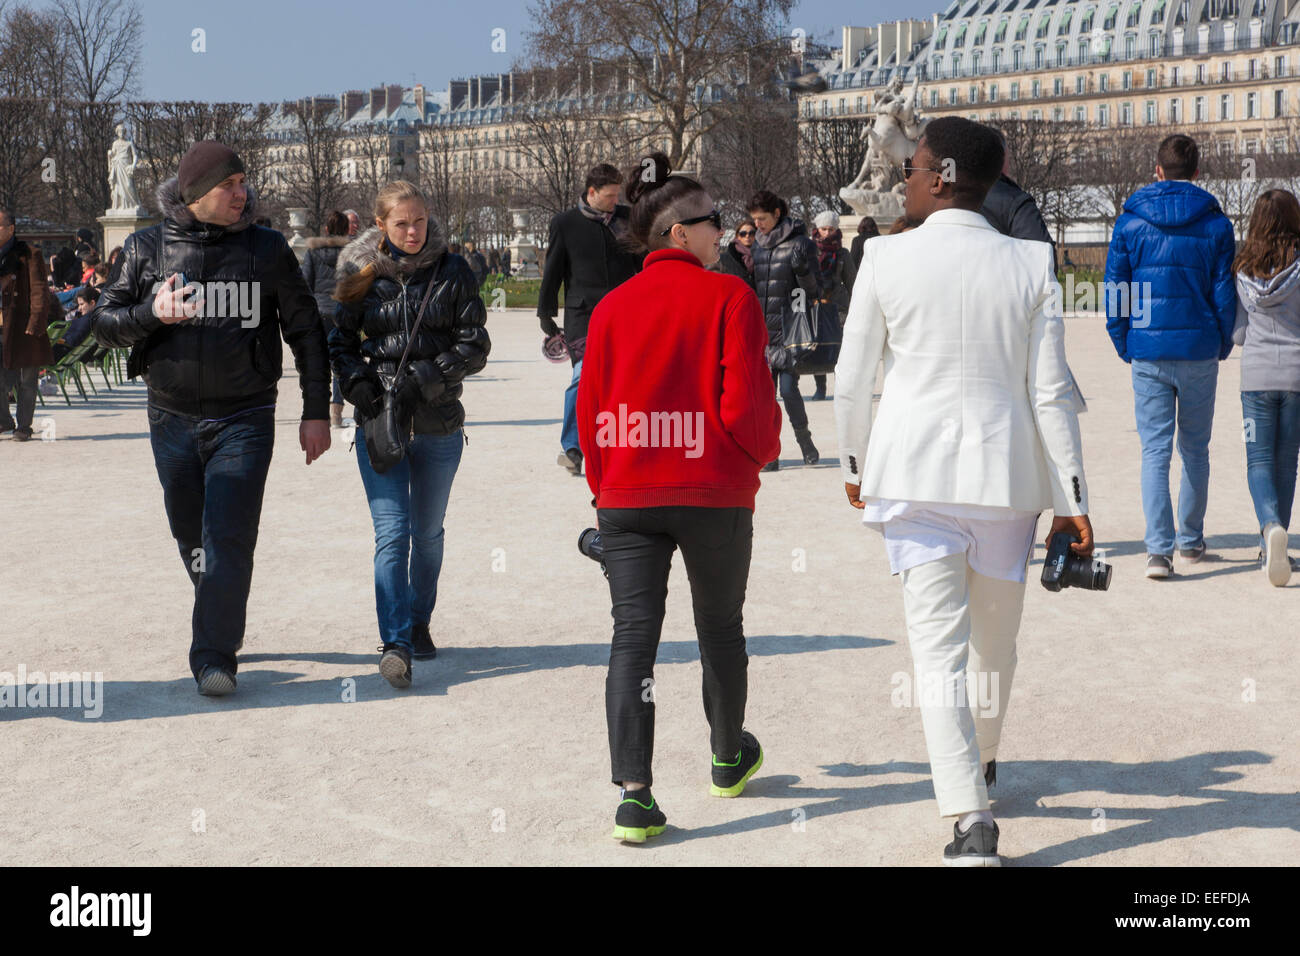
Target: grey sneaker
(978, 846)
(1192, 555)
(216, 682)
(1159, 566)
(1276, 564)
(572, 460)
(395, 665)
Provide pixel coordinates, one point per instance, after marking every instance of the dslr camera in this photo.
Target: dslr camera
(1064, 569)
(589, 544)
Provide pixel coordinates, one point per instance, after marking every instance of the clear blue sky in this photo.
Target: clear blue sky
(270, 50)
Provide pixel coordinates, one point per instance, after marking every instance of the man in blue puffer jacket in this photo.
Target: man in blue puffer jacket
(1173, 248)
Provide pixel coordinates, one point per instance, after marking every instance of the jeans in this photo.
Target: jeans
(569, 431)
(1272, 433)
(407, 505)
(1165, 392)
(213, 475)
(787, 383)
(23, 381)
(639, 542)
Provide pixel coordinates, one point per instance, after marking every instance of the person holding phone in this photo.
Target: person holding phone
(212, 369)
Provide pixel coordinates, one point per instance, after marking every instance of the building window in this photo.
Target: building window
(1225, 72)
(1103, 82)
(952, 96)
(997, 60)
(1083, 53)
(1201, 114)
(1037, 88)
(857, 105)
(1126, 114)
(975, 58)
(1175, 111)
(1017, 58)
(1176, 75)
(1035, 114)
(1252, 106)
(1038, 57)
(1080, 84)
(1279, 66)
(1058, 87)
(1127, 80)
(1015, 91)
(1152, 118)
(1225, 106)
(973, 94)
(843, 106)
(1252, 69)
(1151, 79)
(993, 92)
(1279, 103)
(1103, 114)
(934, 98)
(1200, 73)
(1058, 114)
(1081, 114)
(1130, 47)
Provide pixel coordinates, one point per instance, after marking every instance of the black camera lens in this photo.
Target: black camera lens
(1064, 569)
(589, 544)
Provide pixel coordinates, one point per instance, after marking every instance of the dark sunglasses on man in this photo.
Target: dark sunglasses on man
(908, 168)
(714, 217)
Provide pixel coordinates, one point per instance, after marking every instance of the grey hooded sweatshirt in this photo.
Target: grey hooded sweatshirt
(1268, 330)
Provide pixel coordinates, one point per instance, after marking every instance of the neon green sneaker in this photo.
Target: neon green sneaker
(638, 817)
(730, 777)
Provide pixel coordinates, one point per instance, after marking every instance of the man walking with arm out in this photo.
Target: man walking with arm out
(212, 379)
(976, 434)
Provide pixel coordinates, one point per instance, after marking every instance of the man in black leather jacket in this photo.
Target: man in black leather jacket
(210, 353)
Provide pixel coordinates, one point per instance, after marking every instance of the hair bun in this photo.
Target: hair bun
(649, 174)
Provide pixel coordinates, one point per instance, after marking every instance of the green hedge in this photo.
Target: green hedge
(520, 293)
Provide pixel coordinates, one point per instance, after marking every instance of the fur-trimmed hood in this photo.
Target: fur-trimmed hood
(174, 208)
(327, 242)
(365, 250)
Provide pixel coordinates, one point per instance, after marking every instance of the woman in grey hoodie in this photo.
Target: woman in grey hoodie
(1268, 330)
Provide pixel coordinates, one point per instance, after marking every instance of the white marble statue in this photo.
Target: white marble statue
(122, 163)
(891, 141)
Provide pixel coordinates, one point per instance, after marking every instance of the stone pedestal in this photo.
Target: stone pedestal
(298, 222)
(120, 223)
(523, 252)
(884, 208)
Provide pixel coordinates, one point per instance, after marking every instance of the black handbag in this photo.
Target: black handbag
(389, 433)
(827, 335)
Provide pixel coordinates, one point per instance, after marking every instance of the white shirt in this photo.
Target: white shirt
(997, 541)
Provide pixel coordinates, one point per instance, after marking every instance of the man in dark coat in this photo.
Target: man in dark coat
(210, 352)
(583, 253)
(24, 315)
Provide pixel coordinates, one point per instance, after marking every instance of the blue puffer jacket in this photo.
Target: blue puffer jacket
(1173, 235)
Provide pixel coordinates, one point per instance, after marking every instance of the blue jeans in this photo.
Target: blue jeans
(407, 505)
(1166, 392)
(569, 431)
(213, 475)
(1272, 432)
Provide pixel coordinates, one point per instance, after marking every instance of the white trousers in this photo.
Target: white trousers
(962, 629)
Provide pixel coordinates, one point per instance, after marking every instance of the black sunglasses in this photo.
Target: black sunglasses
(745, 232)
(908, 168)
(714, 217)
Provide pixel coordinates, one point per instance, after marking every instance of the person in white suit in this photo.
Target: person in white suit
(976, 434)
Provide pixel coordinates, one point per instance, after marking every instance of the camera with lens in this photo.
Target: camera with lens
(589, 544)
(1064, 569)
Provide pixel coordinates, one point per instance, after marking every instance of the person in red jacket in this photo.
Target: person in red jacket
(676, 415)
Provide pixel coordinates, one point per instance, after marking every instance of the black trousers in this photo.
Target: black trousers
(716, 544)
(787, 384)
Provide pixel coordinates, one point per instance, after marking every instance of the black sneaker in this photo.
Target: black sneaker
(422, 648)
(22, 434)
(216, 681)
(773, 465)
(810, 454)
(638, 817)
(978, 846)
(1192, 555)
(395, 665)
(729, 778)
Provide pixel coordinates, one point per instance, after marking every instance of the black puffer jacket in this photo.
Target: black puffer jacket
(228, 361)
(318, 271)
(451, 342)
(784, 259)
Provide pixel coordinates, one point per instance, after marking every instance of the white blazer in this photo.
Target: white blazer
(976, 403)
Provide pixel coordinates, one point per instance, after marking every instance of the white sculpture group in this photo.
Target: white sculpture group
(891, 140)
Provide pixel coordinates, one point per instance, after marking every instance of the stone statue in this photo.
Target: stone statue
(891, 140)
(122, 164)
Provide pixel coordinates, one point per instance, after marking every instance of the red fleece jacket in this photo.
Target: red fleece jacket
(676, 404)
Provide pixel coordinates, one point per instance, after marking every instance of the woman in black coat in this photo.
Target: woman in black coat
(737, 258)
(384, 275)
(318, 269)
(785, 262)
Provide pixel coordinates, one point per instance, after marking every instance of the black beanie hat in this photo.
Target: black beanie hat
(205, 164)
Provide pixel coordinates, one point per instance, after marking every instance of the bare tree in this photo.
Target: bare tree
(670, 53)
(830, 152)
(27, 110)
(754, 146)
(314, 177)
(1117, 163)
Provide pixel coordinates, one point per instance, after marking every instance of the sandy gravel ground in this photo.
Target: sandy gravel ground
(1154, 724)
